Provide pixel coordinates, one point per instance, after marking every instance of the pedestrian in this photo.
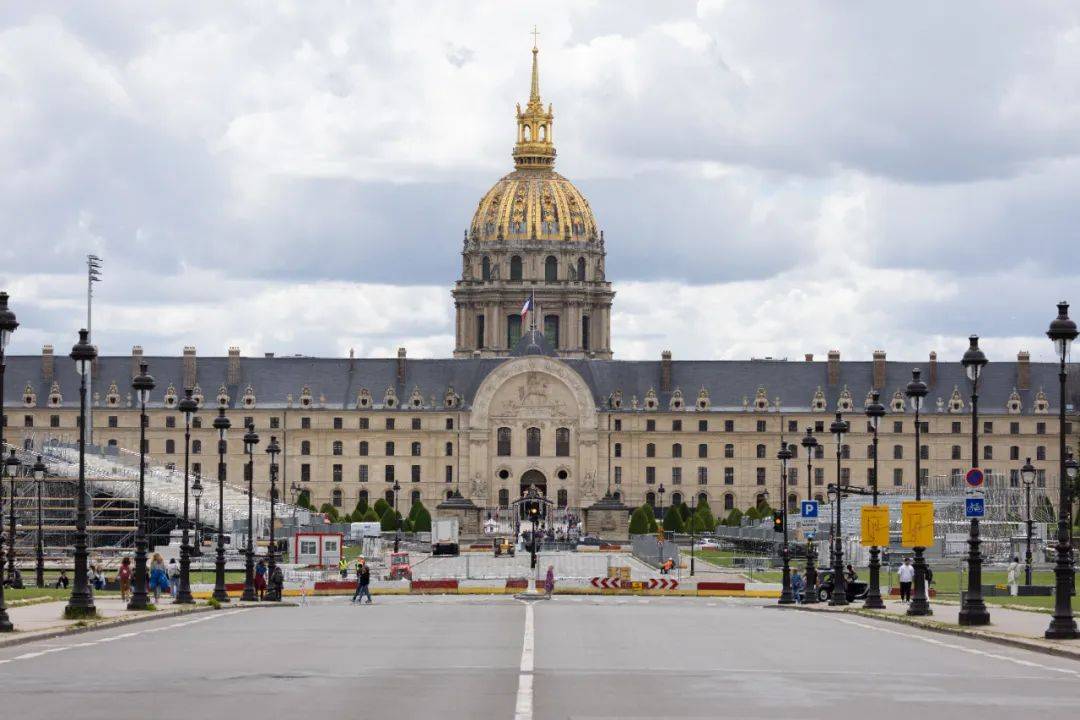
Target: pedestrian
(798, 586)
(549, 581)
(929, 575)
(343, 568)
(159, 576)
(63, 581)
(124, 576)
(174, 577)
(850, 576)
(260, 579)
(1014, 568)
(363, 581)
(277, 583)
(905, 574)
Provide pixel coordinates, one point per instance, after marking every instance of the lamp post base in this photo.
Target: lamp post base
(1063, 624)
(873, 595)
(838, 598)
(974, 612)
(810, 597)
(249, 579)
(183, 590)
(786, 596)
(139, 599)
(920, 603)
(220, 593)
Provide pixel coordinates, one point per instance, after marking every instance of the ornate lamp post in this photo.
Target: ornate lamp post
(810, 443)
(8, 324)
(250, 441)
(786, 596)
(397, 531)
(660, 546)
(1063, 626)
(222, 425)
(196, 495)
(13, 464)
(916, 391)
(838, 428)
(874, 412)
(973, 611)
(81, 603)
(142, 384)
(272, 450)
(39, 565)
(188, 407)
(1027, 475)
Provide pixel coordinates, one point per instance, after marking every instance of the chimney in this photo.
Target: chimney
(808, 357)
(136, 358)
(1023, 370)
(401, 366)
(190, 371)
(665, 371)
(268, 356)
(932, 379)
(47, 364)
(232, 373)
(879, 369)
(834, 367)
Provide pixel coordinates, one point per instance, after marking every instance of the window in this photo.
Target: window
(793, 475)
(532, 442)
(389, 450)
(54, 421)
(449, 475)
(703, 426)
(676, 476)
(845, 476)
(416, 423)
(988, 452)
(363, 448)
(618, 425)
(196, 422)
(729, 426)
(819, 426)
(988, 427)
(338, 448)
(389, 423)
(581, 268)
(114, 421)
(1040, 478)
(703, 450)
(363, 473)
(676, 426)
(898, 452)
(761, 476)
(503, 441)
(513, 330)
(305, 472)
(1040, 452)
(305, 447)
(504, 498)
(650, 426)
(729, 450)
(1014, 452)
(955, 452)
(1014, 478)
(485, 268)
(703, 475)
(618, 475)
(793, 449)
(956, 427)
(819, 452)
(305, 423)
(414, 473)
(618, 449)
(364, 424)
(585, 333)
(170, 421)
(650, 450)
(551, 269)
(170, 447)
(562, 442)
(28, 421)
(870, 452)
(761, 451)
(1014, 428)
(898, 426)
(729, 501)
(275, 423)
(196, 447)
(845, 452)
(729, 476)
(819, 476)
(898, 476)
(336, 472)
(650, 499)
(676, 499)
(335, 498)
(793, 426)
(1040, 428)
(449, 449)
(337, 423)
(650, 475)
(388, 473)
(761, 426)
(414, 449)
(515, 269)
(480, 331)
(561, 498)
(196, 469)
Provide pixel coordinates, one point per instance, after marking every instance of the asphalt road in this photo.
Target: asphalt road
(474, 657)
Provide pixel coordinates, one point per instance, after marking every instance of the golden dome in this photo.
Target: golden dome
(534, 202)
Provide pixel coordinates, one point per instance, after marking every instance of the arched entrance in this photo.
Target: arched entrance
(534, 477)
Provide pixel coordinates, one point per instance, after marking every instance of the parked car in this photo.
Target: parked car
(591, 540)
(855, 591)
(707, 544)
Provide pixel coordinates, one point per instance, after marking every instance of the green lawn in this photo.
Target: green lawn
(33, 593)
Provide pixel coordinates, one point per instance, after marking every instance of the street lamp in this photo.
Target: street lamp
(188, 407)
(916, 391)
(8, 324)
(874, 412)
(1063, 626)
(250, 441)
(196, 494)
(397, 518)
(838, 428)
(81, 603)
(810, 443)
(693, 517)
(143, 383)
(786, 596)
(39, 566)
(13, 474)
(1027, 475)
(973, 610)
(222, 425)
(272, 449)
(660, 545)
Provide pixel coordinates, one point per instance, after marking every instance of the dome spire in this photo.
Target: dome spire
(534, 148)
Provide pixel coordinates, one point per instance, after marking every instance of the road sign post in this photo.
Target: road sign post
(974, 507)
(808, 509)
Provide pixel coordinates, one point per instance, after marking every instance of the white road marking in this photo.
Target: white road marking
(523, 708)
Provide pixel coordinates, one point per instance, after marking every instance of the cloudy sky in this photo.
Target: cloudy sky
(772, 178)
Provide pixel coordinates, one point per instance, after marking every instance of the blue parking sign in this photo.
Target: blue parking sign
(974, 507)
(809, 509)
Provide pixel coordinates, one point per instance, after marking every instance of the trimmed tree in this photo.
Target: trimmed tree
(639, 520)
(371, 516)
(734, 518)
(330, 511)
(673, 521)
(706, 516)
(360, 510)
(752, 514)
(304, 500)
(381, 507)
(389, 521)
(697, 524)
(684, 512)
(422, 521)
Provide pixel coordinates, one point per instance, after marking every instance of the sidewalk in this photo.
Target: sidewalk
(1018, 628)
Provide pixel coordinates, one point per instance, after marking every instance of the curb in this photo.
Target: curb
(934, 626)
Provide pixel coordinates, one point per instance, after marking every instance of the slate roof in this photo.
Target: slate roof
(339, 379)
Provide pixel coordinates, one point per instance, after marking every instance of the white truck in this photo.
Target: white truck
(444, 537)
(360, 530)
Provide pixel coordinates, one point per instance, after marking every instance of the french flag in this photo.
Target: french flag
(526, 309)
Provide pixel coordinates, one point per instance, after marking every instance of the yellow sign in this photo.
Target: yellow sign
(917, 518)
(875, 525)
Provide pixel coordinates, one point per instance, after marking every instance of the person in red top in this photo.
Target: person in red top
(124, 576)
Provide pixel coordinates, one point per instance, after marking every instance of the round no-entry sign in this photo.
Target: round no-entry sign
(974, 477)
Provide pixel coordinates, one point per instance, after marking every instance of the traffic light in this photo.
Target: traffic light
(778, 522)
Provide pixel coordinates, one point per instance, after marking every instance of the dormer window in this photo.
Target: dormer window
(390, 398)
(844, 404)
(305, 397)
(223, 397)
(676, 402)
(55, 398)
(112, 396)
(249, 397)
(703, 399)
(416, 399)
(170, 397)
(897, 402)
(651, 402)
(29, 396)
